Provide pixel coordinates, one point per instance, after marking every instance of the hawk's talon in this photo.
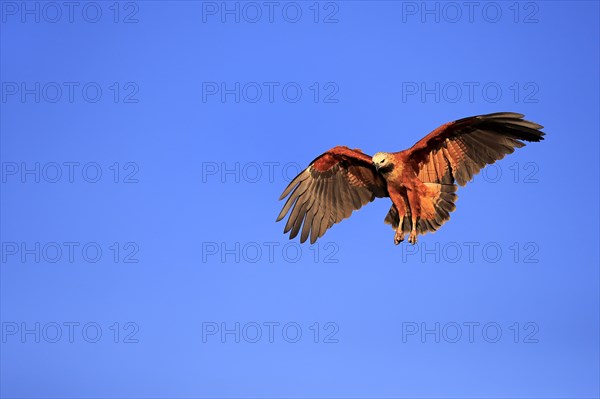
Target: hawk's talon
(412, 238)
(398, 237)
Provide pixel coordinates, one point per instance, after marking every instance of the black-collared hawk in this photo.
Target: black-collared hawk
(420, 181)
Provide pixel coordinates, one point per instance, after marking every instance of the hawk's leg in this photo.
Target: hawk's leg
(414, 205)
(412, 237)
(400, 203)
(399, 236)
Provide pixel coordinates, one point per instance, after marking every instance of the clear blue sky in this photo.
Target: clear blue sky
(144, 146)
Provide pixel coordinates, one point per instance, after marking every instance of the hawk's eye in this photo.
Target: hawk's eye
(383, 161)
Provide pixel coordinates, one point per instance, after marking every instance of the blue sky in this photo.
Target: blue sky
(144, 146)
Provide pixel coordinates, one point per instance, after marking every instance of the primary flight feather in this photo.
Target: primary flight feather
(420, 181)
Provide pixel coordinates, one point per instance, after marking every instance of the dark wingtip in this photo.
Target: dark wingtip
(517, 126)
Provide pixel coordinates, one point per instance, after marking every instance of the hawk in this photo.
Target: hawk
(420, 181)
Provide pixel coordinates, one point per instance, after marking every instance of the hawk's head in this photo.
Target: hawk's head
(383, 162)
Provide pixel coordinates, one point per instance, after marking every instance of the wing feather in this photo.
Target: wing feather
(334, 185)
(311, 211)
(458, 150)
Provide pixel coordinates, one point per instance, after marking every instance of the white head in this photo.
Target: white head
(382, 160)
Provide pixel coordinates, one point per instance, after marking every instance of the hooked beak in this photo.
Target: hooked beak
(376, 165)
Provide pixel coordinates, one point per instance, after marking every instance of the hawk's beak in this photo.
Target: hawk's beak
(376, 166)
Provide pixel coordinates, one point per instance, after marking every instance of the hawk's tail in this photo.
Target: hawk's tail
(435, 209)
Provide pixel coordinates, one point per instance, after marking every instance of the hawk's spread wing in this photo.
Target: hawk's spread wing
(336, 183)
(458, 150)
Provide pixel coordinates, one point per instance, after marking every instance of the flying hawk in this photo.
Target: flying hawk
(420, 181)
